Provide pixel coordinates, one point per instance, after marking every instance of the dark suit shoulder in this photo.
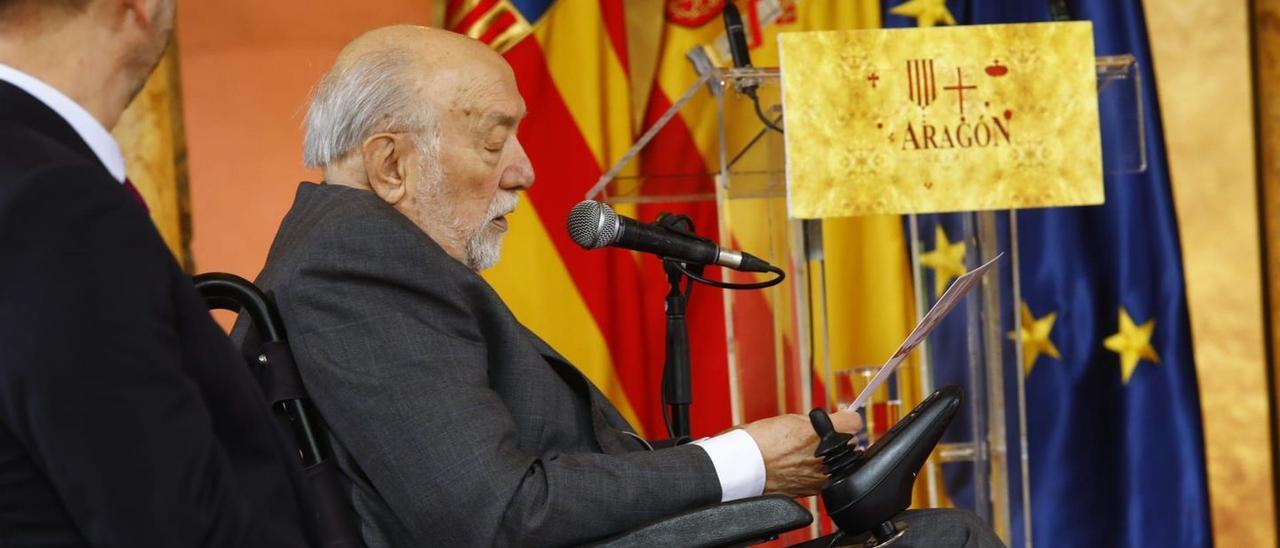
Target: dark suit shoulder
(29, 150)
(335, 213)
(323, 214)
(337, 238)
(75, 207)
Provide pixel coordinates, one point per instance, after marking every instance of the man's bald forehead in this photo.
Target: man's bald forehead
(450, 70)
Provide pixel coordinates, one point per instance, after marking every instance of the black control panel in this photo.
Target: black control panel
(866, 489)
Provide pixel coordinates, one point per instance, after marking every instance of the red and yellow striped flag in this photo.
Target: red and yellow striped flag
(601, 309)
(595, 75)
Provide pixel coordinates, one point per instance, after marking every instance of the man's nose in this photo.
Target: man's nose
(519, 173)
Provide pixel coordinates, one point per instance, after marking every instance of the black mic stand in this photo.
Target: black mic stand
(677, 382)
(677, 386)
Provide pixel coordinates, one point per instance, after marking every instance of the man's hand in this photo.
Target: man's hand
(787, 443)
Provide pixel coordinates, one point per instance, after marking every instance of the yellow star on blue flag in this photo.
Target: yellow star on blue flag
(1034, 335)
(946, 260)
(928, 13)
(1133, 343)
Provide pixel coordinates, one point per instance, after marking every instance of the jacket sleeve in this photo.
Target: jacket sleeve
(394, 358)
(92, 379)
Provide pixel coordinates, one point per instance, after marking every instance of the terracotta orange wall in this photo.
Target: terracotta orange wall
(247, 70)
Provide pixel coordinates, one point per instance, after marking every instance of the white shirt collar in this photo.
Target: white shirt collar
(90, 130)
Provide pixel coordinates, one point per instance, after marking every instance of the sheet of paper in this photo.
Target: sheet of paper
(954, 294)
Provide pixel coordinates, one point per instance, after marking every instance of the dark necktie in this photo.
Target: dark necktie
(133, 190)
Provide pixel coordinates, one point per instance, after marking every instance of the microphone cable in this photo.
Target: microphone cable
(737, 286)
(684, 225)
(755, 101)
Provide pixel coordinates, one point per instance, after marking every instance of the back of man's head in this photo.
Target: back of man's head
(373, 91)
(28, 13)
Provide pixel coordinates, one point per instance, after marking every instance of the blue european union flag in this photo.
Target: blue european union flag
(1113, 415)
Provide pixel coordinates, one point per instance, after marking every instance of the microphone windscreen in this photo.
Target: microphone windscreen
(593, 224)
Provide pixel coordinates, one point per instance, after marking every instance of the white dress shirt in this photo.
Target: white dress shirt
(739, 464)
(100, 141)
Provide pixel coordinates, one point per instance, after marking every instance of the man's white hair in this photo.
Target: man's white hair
(373, 93)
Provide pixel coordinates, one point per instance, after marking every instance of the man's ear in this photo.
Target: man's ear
(386, 160)
(141, 11)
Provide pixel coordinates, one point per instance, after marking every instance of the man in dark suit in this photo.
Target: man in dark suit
(126, 416)
(456, 425)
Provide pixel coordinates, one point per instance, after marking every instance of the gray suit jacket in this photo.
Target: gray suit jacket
(456, 424)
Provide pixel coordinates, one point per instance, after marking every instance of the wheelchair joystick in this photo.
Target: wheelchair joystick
(838, 456)
(866, 489)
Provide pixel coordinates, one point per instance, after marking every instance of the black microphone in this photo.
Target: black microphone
(594, 225)
(736, 33)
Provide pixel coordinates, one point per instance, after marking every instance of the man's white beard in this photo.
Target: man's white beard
(484, 247)
(483, 243)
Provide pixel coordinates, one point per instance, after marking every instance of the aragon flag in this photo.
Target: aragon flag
(1115, 446)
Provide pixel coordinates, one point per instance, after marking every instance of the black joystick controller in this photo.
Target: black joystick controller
(866, 489)
(837, 454)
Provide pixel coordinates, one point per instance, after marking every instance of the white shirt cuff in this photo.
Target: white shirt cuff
(738, 464)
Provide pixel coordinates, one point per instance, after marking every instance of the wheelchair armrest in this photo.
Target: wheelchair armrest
(730, 523)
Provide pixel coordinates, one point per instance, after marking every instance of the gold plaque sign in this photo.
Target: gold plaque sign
(940, 119)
